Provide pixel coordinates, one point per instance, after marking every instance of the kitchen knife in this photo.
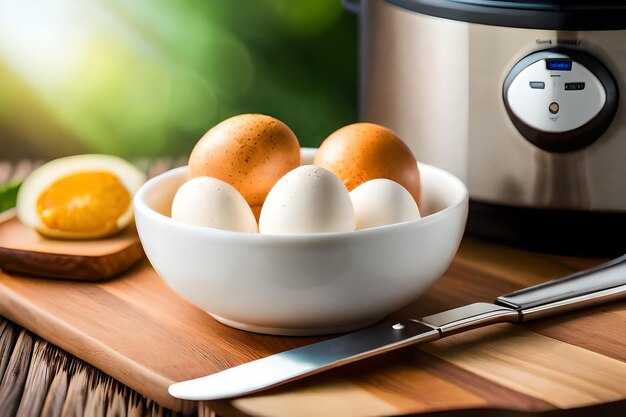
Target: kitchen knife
(601, 284)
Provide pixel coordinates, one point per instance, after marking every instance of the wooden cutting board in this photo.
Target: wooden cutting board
(137, 330)
(24, 251)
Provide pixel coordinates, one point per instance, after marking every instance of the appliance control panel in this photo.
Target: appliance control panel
(556, 98)
(560, 100)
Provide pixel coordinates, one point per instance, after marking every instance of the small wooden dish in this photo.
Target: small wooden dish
(24, 251)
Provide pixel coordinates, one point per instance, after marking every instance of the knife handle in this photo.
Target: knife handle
(597, 285)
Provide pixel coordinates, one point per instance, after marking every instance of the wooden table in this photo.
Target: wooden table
(138, 331)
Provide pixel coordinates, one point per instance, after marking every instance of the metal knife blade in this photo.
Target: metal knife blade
(297, 363)
(307, 360)
(603, 283)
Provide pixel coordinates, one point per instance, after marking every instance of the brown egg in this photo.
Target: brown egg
(250, 151)
(365, 151)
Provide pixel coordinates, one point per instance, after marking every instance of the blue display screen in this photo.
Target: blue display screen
(558, 65)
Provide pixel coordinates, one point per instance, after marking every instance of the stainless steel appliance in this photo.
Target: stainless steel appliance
(520, 99)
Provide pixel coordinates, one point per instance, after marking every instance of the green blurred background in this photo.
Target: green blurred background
(146, 78)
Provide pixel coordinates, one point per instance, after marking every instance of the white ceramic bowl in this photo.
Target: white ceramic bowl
(302, 284)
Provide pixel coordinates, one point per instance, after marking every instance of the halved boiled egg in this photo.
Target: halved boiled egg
(79, 197)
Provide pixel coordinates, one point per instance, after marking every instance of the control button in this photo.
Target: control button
(554, 107)
(574, 86)
(538, 84)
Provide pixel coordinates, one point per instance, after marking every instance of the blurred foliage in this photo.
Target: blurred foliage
(8, 195)
(149, 77)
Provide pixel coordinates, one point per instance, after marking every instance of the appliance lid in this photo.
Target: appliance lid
(531, 14)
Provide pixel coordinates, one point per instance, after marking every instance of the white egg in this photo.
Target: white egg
(308, 199)
(210, 202)
(380, 202)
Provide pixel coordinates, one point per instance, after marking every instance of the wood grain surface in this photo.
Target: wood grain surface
(138, 331)
(24, 251)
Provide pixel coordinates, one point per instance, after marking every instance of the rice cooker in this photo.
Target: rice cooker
(519, 99)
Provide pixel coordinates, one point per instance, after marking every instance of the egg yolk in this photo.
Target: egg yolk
(84, 202)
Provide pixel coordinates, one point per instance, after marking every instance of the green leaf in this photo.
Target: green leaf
(8, 194)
